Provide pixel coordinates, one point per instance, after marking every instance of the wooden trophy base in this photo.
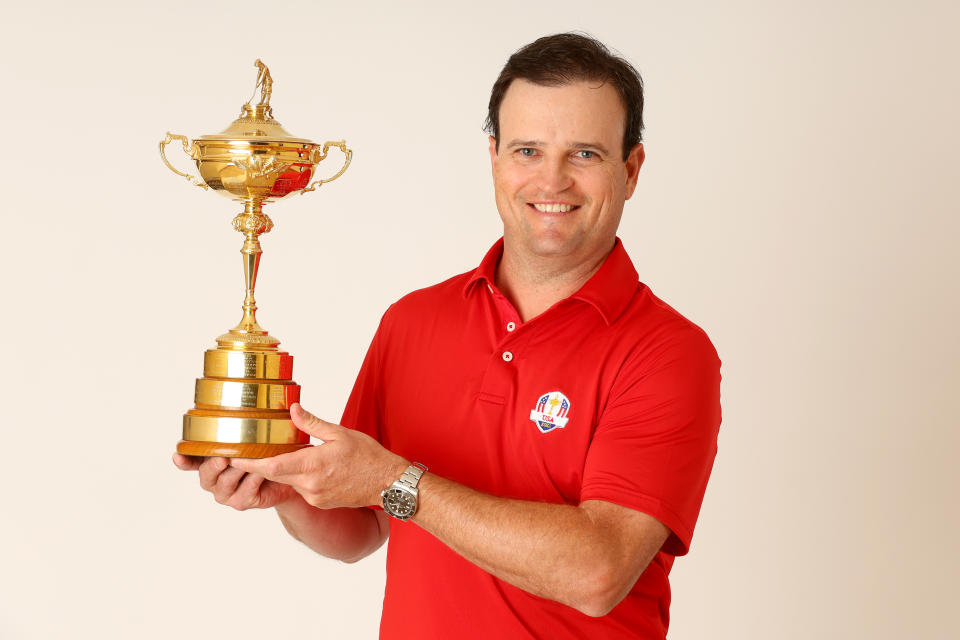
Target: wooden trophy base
(235, 449)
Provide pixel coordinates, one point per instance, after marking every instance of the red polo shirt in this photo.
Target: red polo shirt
(608, 395)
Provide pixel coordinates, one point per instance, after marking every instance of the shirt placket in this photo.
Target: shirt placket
(500, 375)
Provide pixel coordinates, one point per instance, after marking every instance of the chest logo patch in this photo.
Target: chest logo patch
(552, 412)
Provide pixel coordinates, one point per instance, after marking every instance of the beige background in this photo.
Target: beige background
(799, 202)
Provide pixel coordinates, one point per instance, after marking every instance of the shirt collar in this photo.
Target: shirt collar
(609, 290)
(487, 270)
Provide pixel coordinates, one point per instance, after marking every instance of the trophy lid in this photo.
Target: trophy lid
(256, 123)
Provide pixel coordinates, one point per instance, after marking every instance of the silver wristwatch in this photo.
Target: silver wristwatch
(400, 498)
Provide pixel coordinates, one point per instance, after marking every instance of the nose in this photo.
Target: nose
(554, 175)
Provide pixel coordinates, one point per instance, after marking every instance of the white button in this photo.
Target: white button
(511, 326)
(507, 356)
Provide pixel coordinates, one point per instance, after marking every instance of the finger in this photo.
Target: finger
(187, 463)
(278, 467)
(263, 466)
(273, 493)
(247, 493)
(309, 423)
(227, 483)
(210, 470)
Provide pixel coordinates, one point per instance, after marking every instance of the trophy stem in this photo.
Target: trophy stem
(248, 333)
(251, 252)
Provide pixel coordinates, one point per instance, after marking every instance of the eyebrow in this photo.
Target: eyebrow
(515, 144)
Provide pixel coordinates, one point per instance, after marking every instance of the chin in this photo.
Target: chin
(551, 246)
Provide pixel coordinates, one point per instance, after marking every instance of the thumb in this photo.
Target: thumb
(309, 423)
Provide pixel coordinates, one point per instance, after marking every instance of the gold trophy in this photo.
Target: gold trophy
(243, 399)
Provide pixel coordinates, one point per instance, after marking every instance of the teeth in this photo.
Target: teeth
(553, 208)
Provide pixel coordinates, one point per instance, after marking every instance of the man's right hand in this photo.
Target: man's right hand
(231, 486)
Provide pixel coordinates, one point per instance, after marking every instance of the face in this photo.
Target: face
(559, 174)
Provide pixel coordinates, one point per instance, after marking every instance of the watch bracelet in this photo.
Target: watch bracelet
(412, 475)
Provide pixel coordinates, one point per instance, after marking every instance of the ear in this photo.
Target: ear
(493, 153)
(633, 163)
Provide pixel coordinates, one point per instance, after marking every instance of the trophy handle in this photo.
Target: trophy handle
(317, 157)
(189, 149)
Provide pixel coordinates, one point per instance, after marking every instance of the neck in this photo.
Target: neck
(534, 284)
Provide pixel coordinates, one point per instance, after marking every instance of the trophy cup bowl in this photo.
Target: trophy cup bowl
(255, 159)
(242, 403)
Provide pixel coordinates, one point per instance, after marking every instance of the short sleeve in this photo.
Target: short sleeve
(363, 411)
(656, 439)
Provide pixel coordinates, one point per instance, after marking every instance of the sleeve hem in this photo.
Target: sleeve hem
(678, 543)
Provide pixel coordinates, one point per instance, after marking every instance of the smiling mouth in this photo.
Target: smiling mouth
(553, 207)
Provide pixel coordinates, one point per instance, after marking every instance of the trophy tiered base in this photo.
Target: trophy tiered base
(243, 406)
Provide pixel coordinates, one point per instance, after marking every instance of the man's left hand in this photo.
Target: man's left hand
(349, 469)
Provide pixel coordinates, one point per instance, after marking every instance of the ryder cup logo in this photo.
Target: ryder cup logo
(551, 412)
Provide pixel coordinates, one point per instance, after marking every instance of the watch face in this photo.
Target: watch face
(399, 503)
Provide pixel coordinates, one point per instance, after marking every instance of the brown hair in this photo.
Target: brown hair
(565, 58)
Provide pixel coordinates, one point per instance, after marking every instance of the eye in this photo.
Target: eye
(586, 154)
(527, 152)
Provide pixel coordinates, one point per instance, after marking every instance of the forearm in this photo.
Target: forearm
(560, 552)
(587, 556)
(346, 534)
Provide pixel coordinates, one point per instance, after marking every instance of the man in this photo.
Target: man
(567, 416)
